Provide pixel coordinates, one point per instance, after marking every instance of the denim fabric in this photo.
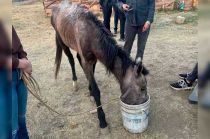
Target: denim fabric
(4, 105)
(204, 77)
(19, 103)
(194, 74)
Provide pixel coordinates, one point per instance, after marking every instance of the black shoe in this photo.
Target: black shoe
(122, 39)
(181, 85)
(183, 75)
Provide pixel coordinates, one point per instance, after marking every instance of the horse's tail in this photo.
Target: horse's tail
(58, 56)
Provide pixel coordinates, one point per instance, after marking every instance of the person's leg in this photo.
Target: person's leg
(104, 10)
(193, 75)
(107, 12)
(122, 25)
(22, 105)
(130, 33)
(193, 97)
(141, 43)
(14, 104)
(116, 18)
(4, 105)
(186, 83)
(204, 77)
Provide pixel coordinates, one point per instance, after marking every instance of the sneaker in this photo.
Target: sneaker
(183, 75)
(122, 39)
(181, 85)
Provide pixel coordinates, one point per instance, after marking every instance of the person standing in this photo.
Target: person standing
(10, 68)
(139, 16)
(5, 81)
(20, 64)
(106, 6)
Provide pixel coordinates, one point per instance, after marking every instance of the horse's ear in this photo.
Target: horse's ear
(141, 69)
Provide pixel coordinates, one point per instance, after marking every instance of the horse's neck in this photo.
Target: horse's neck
(117, 69)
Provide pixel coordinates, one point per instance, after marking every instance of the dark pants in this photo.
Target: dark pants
(19, 105)
(194, 74)
(107, 12)
(122, 24)
(5, 105)
(119, 15)
(116, 17)
(130, 33)
(204, 77)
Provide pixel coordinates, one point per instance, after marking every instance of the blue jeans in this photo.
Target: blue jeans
(17, 98)
(5, 105)
(19, 105)
(194, 74)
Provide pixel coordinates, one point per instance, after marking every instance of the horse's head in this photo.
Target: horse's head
(134, 90)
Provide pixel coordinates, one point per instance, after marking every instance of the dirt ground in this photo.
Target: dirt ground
(171, 49)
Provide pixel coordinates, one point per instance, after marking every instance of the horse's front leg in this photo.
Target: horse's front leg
(88, 69)
(94, 65)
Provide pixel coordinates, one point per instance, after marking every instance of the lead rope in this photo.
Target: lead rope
(92, 3)
(34, 90)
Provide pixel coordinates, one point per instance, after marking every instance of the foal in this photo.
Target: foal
(80, 30)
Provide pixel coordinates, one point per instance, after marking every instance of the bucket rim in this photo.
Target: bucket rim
(134, 106)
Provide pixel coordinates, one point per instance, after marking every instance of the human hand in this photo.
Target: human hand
(146, 26)
(25, 66)
(125, 7)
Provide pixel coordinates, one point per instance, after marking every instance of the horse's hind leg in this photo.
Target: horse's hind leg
(79, 59)
(72, 63)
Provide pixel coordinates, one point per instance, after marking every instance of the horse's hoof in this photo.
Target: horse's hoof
(75, 86)
(92, 99)
(103, 125)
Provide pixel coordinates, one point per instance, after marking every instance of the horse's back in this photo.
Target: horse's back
(64, 18)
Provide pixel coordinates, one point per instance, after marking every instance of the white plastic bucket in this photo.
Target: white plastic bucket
(135, 117)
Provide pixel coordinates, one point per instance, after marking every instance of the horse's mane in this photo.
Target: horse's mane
(109, 46)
